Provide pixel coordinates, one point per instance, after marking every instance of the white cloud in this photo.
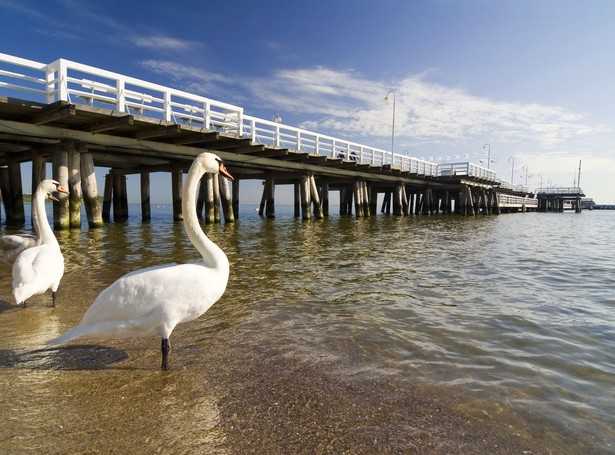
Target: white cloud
(162, 42)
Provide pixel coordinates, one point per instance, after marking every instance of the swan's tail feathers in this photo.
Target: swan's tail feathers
(106, 329)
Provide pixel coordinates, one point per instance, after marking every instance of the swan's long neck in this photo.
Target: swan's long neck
(39, 218)
(213, 256)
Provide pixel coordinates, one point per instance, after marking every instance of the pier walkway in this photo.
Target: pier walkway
(81, 118)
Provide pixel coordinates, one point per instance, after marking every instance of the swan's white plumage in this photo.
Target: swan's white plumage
(12, 245)
(152, 301)
(41, 267)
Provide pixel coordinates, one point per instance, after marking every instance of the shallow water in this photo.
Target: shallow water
(385, 335)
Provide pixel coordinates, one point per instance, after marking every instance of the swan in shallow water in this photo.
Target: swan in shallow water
(152, 301)
(13, 244)
(41, 267)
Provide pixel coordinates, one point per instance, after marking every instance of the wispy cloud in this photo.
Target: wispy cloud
(160, 42)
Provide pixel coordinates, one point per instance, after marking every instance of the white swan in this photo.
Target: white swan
(152, 301)
(13, 244)
(40, 267)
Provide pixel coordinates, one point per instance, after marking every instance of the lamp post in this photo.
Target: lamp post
(488, 155)
(387, 101)
(525, 167)
(512, 170)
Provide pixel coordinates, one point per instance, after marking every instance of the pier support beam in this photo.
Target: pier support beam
(176, 190)
(146, 212)
(120, 197)
(235, 196)
(225, 199)
(107, 195)
(315, 198)
(305, 197)
(74, 187)
(61, 218)
(207, 187)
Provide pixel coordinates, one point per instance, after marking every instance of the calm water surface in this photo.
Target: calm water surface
(504, 322)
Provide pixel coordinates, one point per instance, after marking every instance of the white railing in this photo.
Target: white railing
(466, 169)
(507, 201)
(64, 80)
(560, 190)
(505, 184)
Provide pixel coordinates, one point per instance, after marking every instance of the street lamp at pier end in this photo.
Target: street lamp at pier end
(488, 155)
(512, 170)
(387, 101)
(522, 168)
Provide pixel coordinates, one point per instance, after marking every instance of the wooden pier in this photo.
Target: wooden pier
(91, 119)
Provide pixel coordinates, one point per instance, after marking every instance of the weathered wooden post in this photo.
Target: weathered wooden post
(6, 194)
(325, 198)
(225, 198)
(176, 190)
(366, 201)
(315, 197)
(107, 196)
(209, 198)
(235, 186)
(397, 200)
(216, 188)
(146, 211)
(297, 199)
(61, 218)
(39, 172)
(74, 188)
(269, 196)
(305, 197)
(358, 196)
(120, 198)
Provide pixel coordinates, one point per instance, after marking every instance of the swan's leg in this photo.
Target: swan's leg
(53, 298)
(166, 348)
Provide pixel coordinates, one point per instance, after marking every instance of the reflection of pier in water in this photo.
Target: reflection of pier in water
(81, 118)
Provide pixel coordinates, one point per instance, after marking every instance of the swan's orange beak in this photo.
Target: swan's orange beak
(224, 172)
(59, 189)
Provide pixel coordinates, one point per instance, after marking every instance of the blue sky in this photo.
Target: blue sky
(531, 78)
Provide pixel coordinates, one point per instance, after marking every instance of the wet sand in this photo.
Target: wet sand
(228, 393)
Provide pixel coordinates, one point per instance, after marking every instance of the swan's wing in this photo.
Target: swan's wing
(43, 262)
(14, 241)
(159, 295)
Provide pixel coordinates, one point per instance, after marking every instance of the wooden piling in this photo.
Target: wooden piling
(269, 193)
(365, 198)
(324, 200)
(120, 197)
(208, 184)
(358, 196)
(235, 190)
(176, 191)
(74, 188)
(297, 199)
(61, 219)
(146, 212)
(315, 197)
(39, 172)
(225, 199)
(305, 197)
(107, 196)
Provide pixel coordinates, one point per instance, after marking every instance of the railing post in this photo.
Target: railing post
(121, 96)
(168, 109)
